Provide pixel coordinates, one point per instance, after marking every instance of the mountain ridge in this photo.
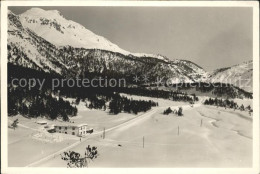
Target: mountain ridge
(239, 75)
(31, 34)
(76, 32)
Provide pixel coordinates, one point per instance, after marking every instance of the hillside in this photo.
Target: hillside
(239, 75)
(31, 43)
(45, 40)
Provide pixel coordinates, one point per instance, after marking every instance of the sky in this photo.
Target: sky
(212, 37)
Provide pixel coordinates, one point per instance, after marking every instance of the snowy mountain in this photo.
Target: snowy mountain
(27, 49)
(239, 75)
(53, 27)
(44, 40)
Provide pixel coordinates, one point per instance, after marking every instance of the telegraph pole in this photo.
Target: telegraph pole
(104, 133)
(143, 141)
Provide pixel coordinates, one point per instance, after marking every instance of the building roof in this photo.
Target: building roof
(62, 124)
(83, 124)
(41, 122)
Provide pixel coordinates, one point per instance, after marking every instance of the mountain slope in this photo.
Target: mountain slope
(238, 75)
(61, 32)
(25, 48)
(31, 43)
(52, 26)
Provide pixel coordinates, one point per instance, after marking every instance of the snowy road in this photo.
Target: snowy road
(125, 124)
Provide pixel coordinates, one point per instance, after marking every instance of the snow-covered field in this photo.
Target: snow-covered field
(208, 137)
(30, 141)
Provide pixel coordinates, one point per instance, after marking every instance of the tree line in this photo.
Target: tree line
(172, 95)
(119, 104)
(227, 104)
(42, 102)
(217, 89)
(33, 103)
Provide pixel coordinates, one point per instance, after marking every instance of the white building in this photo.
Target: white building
(79, 130)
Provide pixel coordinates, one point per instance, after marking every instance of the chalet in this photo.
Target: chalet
(78, 130)
(41, 122)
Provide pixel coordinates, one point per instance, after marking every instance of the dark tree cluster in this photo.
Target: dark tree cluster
(36, 102)
(221, 103)
(119, 104)
(169, 110)
(33, 103)
(96, 103)
(218, 89)
(184, 97)
(227, 104)
(146, 92)
(77, 100)
(174, 95)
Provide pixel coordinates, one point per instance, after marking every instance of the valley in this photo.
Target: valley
(168, 113)
(223, 140)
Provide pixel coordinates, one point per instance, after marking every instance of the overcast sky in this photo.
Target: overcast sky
(212, 37)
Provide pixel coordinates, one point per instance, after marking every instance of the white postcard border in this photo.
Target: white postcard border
(4, 148)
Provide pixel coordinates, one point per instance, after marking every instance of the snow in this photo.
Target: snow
(57, 30)
(73, 34)
(38, 12)
(223, 140)
(30, 142)
(28, 48)
(76, 35)
(238, 75)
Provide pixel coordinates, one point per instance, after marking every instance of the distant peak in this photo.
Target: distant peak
(34, 11)
(42, 13)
